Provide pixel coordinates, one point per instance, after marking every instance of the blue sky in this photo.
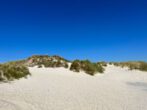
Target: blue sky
(110, 30)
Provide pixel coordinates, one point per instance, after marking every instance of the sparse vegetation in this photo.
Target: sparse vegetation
(86, 66)
(18, 69)
(138, 65)
(46, 61)
(102, 63)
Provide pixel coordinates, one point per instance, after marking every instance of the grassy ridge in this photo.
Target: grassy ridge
(47, 61)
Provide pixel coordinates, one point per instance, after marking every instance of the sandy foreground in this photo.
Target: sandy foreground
(61, 89)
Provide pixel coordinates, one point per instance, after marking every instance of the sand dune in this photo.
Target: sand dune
(61, 89)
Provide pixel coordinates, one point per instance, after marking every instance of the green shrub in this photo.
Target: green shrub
(66, 65)
(86, 66)
(100, 68)
(13, 71)
(75, 66)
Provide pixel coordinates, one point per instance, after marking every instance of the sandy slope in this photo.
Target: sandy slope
(61, 89)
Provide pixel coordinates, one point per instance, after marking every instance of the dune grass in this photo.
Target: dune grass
(103, 63)
(133, 65)
(86, 66)
(46, 61)
(18, 69)
(11, 71)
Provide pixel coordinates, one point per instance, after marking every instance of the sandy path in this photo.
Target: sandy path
(61, 89)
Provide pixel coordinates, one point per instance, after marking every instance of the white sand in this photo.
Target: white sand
(61, 89)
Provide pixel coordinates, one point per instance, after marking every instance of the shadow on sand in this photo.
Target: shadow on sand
(140, 85)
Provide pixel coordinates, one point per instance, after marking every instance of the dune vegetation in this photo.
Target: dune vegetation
(102, 63)
(46, 61)
(132, 65)
(18, 69)
(86, 66)
(11, 71)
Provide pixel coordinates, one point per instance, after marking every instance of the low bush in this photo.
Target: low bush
(75, 66)
(13, 71)
(86, 66)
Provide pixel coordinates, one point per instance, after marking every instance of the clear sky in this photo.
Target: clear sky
(110, 30)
